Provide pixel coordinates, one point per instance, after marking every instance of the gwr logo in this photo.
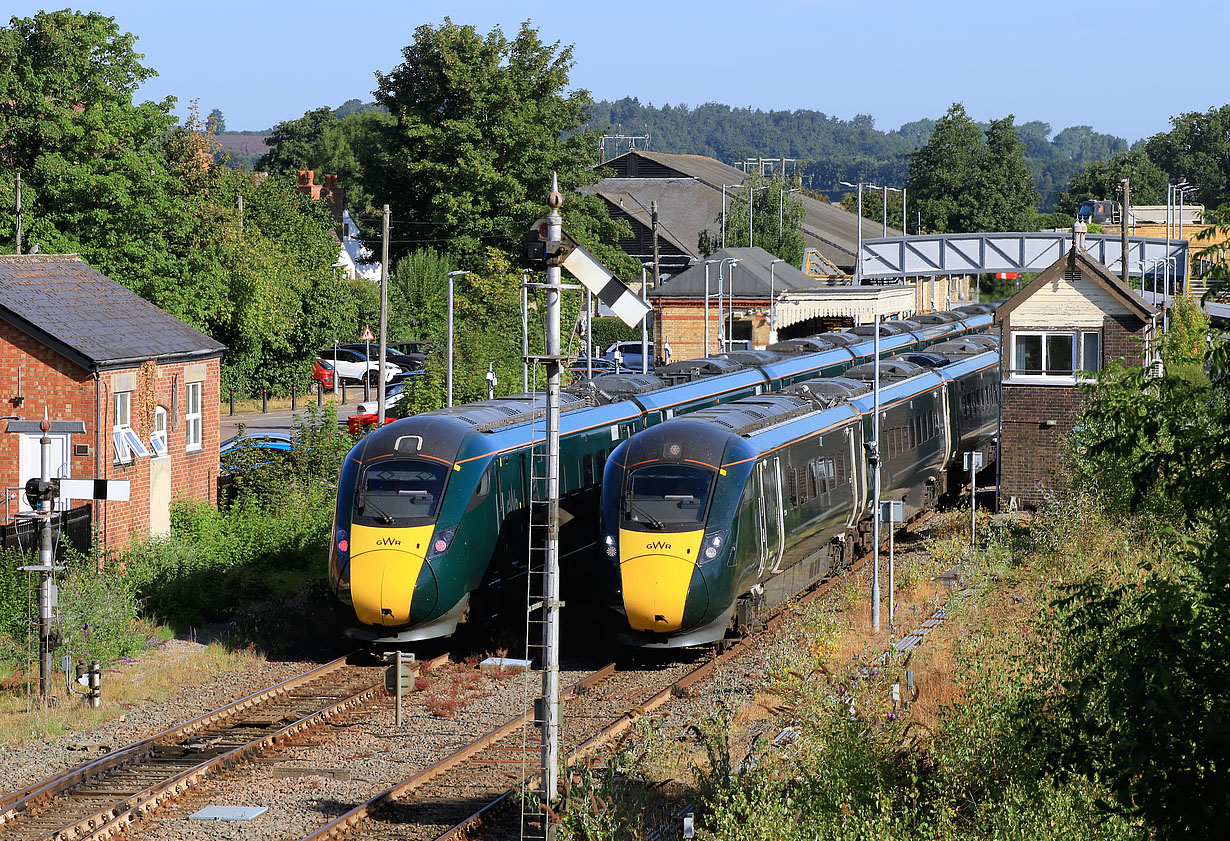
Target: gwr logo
(657, 544)
(388, 541)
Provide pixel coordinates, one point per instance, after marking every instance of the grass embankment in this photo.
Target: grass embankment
(251, 572)
(963, 761)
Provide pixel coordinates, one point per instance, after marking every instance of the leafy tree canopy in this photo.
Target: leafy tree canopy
(1100, 180)
(961, 180)
(1197, 148)
(479, 125)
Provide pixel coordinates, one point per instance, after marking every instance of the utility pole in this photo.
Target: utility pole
(550, 667)
(381, 405)
(19, 211)
(239, 204)
(657, 280)
(1123, 228)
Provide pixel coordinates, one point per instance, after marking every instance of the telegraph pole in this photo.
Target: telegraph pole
(19, 211)
(550, 667)
(381, 405)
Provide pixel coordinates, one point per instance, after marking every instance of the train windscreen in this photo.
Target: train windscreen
(667, 496)
(399, 492)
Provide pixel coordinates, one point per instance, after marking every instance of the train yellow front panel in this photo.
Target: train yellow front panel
(655, 570)
(384, 566)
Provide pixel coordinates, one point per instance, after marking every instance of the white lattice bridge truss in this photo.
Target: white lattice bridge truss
(929, 255)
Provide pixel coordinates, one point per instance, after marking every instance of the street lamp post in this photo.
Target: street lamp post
(645, 323)
(707, 262)
(722, 337)
(724, 187)
(858, 257)
(451, 275)
(751, 201)
(887, 190)
(1182, 189)
(525, 331)
(773, 302)
(781, 213)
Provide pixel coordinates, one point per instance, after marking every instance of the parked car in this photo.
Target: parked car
(421, 349)
(392, 395)
(323, 374)
(600, 366)
(405, 361)
(354, 366)
(254, 449)
(629, 355)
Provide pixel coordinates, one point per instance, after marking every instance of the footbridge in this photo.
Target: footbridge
(930, 255)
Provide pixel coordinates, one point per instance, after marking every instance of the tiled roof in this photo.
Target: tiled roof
(91, 319)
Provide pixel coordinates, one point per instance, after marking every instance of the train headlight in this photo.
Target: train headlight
(441, 542)
(712, 546)
(611, 549)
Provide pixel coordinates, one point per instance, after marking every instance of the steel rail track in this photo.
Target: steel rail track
(101, 798)
(469, 828)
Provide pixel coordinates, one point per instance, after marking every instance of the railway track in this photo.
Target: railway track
(103, 797)
(438, 802)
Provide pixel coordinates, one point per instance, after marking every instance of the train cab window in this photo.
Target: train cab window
(480, 493)
(667, 496)
(399, 492)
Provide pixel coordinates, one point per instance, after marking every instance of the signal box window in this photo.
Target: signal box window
(1055, 355)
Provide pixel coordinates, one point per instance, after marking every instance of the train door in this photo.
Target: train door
(775, 508)
(762, 534)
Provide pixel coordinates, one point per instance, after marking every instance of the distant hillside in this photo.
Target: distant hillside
(833, 149)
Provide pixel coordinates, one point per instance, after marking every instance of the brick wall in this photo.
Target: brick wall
(67, 391)
(1032, 453)
(1123, 339)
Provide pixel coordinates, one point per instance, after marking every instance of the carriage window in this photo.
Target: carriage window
(587, 470)
(792, 484)
(665, 495)
(398, 492)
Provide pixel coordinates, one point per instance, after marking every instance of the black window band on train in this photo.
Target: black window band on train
(666, 496)
(401, 492)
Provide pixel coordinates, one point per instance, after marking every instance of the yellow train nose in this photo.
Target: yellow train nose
(655, 570)
(384, 567)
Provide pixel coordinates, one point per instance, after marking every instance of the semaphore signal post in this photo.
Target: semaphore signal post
(42, 493)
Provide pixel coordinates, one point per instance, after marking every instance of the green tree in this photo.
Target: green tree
(90, 158)
(778, 214)
(215, 123)
(1197, 148)
(964, 181)
(1100, 180)
(944, 174)
(480, 123)
(1006, 188)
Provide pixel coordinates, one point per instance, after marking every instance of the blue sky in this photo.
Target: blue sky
(263, 62)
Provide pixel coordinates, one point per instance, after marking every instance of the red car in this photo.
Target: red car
(360, 423)
(323, 373)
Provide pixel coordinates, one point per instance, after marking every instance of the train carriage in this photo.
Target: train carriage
(709, 519)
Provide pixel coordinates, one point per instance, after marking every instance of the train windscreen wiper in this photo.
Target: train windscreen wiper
(365, 500)
(631, 505)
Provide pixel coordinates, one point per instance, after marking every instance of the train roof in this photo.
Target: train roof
(831, 390)
(987, 340)
(752, 357)
(488, 415)
(940, 317)
(806, 344)
(612, 387)
(960, 366)
(839, 339)
(742, 417)
(701, 367)
(927, 359)
(887, 328)
(977, 309)
(963, 346)
(893, 368)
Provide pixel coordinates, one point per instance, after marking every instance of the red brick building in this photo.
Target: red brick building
(1069, 323)
(83, 348)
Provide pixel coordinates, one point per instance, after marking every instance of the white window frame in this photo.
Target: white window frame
(1015, 372)
(192, 418)
(158, 438)
(125, 439)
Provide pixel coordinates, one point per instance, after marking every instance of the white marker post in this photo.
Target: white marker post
(891, 513)
(973, 463)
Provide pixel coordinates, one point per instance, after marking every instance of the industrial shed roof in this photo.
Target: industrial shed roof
(89, 318)
(688, 189)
